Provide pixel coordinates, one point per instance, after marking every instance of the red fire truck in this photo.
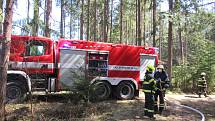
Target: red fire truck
(41, 64)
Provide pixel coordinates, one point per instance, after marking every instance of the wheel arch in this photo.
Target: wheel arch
(20, 77)
(129, 81)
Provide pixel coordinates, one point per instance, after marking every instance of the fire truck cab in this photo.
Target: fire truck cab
(40, 64)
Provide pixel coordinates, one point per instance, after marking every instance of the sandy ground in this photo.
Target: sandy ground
(52, 109)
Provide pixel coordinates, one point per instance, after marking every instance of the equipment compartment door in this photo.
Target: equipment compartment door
(145, 60)
(72, 67)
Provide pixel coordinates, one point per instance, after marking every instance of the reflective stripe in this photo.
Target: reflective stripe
(201, 85)
(148, 110)
(157, 88)
(148, 82)
(151, 111)
(151, 80)
(145, 82)
(149, 91)
(202, 81)
(161, 104)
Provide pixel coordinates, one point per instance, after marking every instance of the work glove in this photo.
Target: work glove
(166, 86)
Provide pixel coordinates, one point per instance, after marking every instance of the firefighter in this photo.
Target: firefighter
(149, 90)
(202, 85)
(162, 83)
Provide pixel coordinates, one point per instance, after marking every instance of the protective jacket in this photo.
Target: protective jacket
(202, 82)
(162, 80)
(149, 85)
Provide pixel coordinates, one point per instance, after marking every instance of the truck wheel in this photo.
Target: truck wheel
(100, 90)
(125, 91)
(15, 93)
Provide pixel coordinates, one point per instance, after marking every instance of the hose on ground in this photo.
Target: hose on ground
(190, 108)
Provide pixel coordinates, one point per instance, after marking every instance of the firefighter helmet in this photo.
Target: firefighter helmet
(203, 74)
(160, 67)
(150, 68)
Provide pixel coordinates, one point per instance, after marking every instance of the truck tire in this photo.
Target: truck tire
(15, 93)
(100, 90)
(125, 90)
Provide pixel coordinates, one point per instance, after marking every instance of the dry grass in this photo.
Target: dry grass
(55, 109)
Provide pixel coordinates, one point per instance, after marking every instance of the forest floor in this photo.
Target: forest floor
(58, 108)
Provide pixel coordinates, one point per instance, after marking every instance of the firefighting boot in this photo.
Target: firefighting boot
(199, 95)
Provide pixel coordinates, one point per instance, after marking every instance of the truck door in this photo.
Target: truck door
(72, 66)
(145, 60)
(38, 57)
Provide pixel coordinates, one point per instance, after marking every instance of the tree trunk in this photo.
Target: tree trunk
(105, 20)
(28, 9)
(88, 19)
(170, 42)
(62, 19)
(5, 53)
(185, 39)
(1, 15)
(48, 14)
(95, 21)
(70, 21)
(36, 18)
(28, 18)
(138, 23)
(181, 46)
(107, 28)
(111, 21)
(82, 20)
(160, 38)
(154, 22)
(144, 23)
(136, 42)
(121, 17)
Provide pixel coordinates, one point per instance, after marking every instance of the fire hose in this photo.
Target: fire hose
(183, 106)
(190, 108)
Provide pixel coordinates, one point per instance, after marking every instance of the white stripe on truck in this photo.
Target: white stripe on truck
(38, 65)
(123, 68)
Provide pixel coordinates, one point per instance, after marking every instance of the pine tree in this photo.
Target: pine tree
(5, 53)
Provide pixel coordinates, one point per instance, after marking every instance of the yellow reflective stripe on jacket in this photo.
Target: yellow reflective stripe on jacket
(151, 80)
(149, 91)
(157, 88)
(148, 82)
(201, 80)
(145, 82)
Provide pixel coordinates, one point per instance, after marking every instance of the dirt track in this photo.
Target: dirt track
(112, 110)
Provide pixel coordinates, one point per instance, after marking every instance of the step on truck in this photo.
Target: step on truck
(39, 64)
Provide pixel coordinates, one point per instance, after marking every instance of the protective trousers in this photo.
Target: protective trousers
(159, 108)
(202, 90)
(149, 104)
